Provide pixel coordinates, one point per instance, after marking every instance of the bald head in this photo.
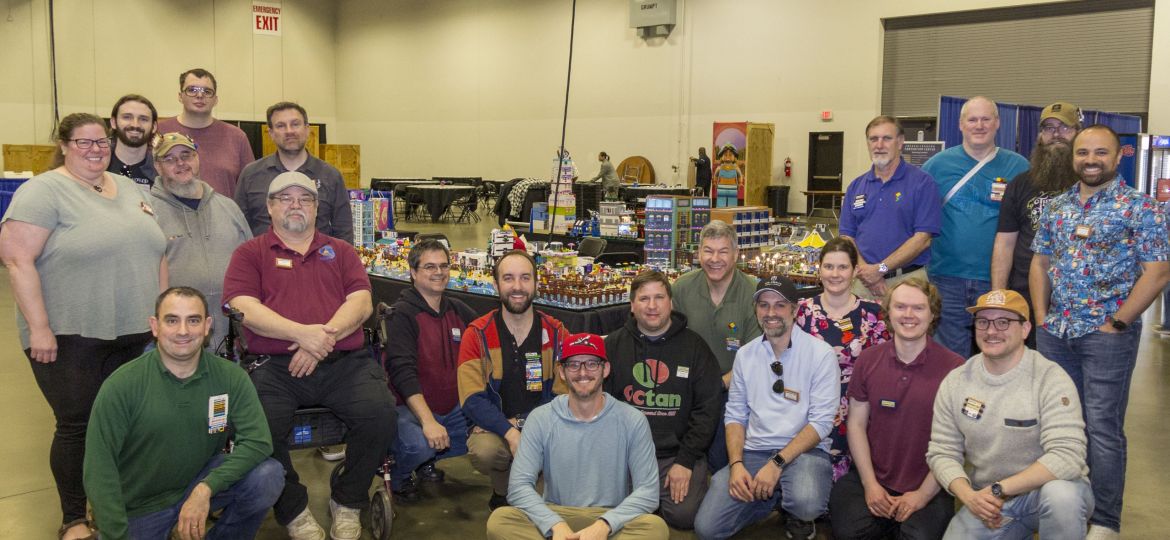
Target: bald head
(979, 122)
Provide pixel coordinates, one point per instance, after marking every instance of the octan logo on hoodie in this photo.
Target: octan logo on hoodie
(651, 374)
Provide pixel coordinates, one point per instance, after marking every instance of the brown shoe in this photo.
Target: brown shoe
(68, 526)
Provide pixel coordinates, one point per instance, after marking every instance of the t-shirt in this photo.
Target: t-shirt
(142, 173)
(99, 268)
(517, 399)
(963, 247)
(1020, 213)
(224, 151)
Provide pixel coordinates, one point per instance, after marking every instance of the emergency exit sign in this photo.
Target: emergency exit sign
(266, 18)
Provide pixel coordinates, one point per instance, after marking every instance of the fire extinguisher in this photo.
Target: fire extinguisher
(787, 167)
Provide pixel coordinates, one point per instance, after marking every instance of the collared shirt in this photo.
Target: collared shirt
(142, 173)
(881, 216)
(515, 396)
(725, 327)
(308, 289)
(811, 392)
(1096, 250)
(333, 213)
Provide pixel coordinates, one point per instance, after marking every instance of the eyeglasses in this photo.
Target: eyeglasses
(305, 200)
(431, 267)
(574, 366)
(86, 144)
(1051, 129)
(193, 91)
(778, 369)
(1001, 324)
(183, 157)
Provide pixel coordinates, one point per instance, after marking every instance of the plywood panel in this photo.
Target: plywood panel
(348, 159)
(28, 157)
(757, 168)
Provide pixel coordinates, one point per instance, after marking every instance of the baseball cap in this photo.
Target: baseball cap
(780, 284)
(289, 179)
(1066, 112)
(167, 141)
(577, 344)
(1001, 299)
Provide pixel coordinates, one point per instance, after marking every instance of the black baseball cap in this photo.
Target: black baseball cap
(779, 284)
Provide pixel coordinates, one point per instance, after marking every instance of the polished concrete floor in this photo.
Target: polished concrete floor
(458, 508)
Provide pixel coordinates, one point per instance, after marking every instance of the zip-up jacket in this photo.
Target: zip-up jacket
(424, 357)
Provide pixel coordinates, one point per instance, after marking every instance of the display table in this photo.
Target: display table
(438, 199)
(612, 245)
(834, 200)
(637, 195)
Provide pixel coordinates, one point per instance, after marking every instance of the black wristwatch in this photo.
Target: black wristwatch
(779, 460)
(1118, 325)
(997, 490)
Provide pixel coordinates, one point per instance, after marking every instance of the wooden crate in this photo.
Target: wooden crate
(268, 147)
(28, 157)
(348, 159)
(757, 168)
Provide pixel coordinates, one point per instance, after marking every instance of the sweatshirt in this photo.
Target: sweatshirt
(674, 380)
(425, 356)
(1001, 424)
(605, 462)
(200, 243)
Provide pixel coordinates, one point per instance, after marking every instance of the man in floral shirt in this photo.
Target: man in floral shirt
(1101, 259)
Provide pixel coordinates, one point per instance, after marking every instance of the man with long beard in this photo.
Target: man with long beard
(133, 120)
(1051, 173)
(506, 369)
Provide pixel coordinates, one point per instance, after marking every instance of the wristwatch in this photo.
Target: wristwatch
(1118, 325)
(997, 490)
(779, 460)
(883, 268)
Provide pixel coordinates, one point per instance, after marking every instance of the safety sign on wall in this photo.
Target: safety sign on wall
(266, 18)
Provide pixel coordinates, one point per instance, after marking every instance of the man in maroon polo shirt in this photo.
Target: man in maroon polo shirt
(891, 402)
(304, 296)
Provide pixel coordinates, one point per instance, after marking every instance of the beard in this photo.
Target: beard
(296, 226)
(775, 332)
(516, 310)
(123, 138)
(1051, 167)
(1106, 175)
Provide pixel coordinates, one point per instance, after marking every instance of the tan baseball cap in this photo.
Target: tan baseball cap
(1066, 112)
(289, 179)
(165, 142)
(1005, 299)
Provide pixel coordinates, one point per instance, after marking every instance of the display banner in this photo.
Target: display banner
(266, 18)
(917, 152)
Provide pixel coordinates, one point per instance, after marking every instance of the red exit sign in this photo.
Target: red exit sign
(266, 18)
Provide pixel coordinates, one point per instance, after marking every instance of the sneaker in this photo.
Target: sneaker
(428, 472)
(347, 522)
(332, 453)
(796, 529)
(497, 501)
(408, 493)
(1101, 532)
(305, 527)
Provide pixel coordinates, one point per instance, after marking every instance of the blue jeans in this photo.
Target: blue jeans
(245, 504)
(411, 449)
(805, 484)
(1101, 366)
(1059, 509)
(954, 328)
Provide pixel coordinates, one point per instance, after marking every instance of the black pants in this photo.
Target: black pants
(354, 388)
(851, 518)
(70, 385)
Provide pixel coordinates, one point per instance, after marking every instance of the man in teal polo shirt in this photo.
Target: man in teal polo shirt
(972, 179)
(717, 301)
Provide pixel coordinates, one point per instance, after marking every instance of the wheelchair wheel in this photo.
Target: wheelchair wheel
(337, 470)
(381, 515)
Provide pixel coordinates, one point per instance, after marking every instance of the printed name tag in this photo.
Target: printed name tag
(997, 190)
(1084, 231)
(791, 395)
(533, 372)
(217, 412)
(456, 335)
(973, 408)
(859, 202)
(889, 403)
(283, 263)
(684, 372)
(732, 344)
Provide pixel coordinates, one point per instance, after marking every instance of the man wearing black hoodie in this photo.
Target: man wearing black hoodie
(668, 372)
(428, 326)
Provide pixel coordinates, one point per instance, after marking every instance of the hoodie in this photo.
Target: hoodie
(605, 462)
(674, 380)
(429, 369)
(200, 243)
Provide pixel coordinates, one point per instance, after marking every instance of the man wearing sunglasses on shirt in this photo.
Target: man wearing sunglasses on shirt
(597, 457)
(223, 147)
(785, 387)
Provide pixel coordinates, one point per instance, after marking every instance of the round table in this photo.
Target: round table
(437, 198)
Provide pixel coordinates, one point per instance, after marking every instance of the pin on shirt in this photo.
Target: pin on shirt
(859, 202)
(282, 262)
(973, 408)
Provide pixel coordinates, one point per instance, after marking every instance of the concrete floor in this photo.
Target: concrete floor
(458, 507)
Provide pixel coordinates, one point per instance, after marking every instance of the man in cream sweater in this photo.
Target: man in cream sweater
(1015, 417)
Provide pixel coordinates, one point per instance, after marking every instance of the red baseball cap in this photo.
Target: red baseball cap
(579, 344)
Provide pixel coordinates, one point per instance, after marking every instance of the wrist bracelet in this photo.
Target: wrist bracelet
(740, 461)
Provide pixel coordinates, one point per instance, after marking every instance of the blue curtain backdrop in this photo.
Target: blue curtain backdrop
(1027, 128)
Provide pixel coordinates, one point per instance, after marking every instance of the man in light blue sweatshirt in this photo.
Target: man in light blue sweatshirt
(597, 456)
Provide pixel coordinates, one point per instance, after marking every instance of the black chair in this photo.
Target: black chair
(467, 207)
(591, 246)
(618, 258)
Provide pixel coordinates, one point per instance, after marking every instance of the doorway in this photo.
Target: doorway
(825, 153)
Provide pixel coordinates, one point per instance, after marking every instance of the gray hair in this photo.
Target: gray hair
(717, 229)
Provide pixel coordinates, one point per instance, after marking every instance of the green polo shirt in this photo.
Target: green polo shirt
(725, 327)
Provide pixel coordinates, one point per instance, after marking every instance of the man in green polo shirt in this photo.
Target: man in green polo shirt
(154, 456)
(717, 300)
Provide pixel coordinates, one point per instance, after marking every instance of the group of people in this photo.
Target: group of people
(720, 400)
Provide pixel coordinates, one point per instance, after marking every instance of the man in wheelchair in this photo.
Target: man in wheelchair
(304, 296)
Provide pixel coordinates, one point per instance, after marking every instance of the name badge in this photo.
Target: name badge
(456, 335)
(732, 344)
(859, 202)
(284, 263)
(1084, 231)
(973, 408)
(792, 395)
(843, 325)
(217, 413)
(533, 372)
(684, 372)
(888, 403)
(997, 190)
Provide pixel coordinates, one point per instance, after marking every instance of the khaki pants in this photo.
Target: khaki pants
(508, 523)
(862, 292)
(490, 455)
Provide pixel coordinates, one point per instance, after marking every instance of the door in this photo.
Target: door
(825, 152)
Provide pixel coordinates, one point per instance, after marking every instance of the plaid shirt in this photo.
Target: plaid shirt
(1092, 273)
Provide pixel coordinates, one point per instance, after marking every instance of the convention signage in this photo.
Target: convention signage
(266, 18)
(917, 152)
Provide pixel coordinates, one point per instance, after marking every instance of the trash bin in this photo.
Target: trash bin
(777, 197)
